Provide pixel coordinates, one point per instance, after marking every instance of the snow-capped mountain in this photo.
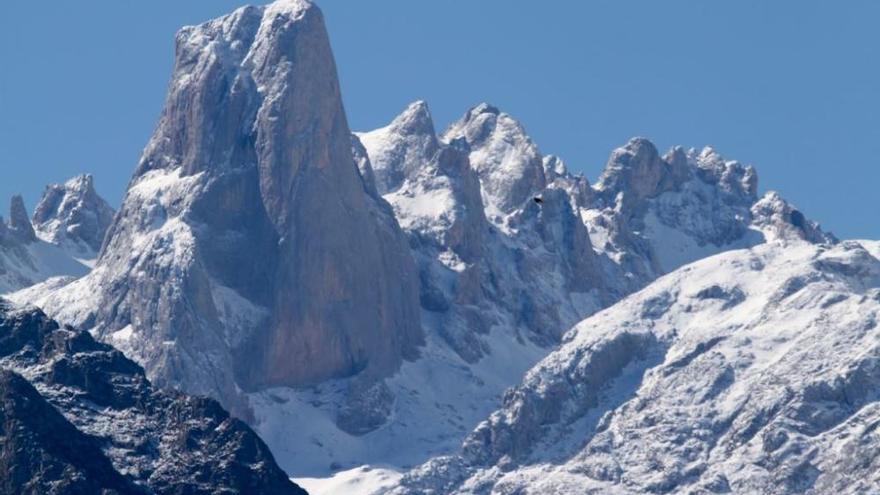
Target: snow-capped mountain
(73, 216)
(753, 371)
(79, 417)
(367, 298)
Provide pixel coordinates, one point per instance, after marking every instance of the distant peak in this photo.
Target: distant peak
(640, 144)
(779, 219)
(554, 167)
(415, 119)
(82, 183)
(19, 221)
(73, 211)
(484, 108)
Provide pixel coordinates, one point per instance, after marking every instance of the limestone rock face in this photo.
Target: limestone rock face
(635, 173)
(19, 221)
(249, 251)
(73, 215)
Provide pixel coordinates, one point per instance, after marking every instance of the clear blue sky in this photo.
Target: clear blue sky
(792, 87)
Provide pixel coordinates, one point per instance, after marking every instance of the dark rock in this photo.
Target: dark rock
(86, 420)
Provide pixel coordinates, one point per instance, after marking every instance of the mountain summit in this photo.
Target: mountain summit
(248, 251)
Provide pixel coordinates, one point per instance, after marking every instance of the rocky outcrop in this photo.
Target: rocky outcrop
(780, 220)
(74, 216)
(19, 221)
(248, 252)
(78, 417)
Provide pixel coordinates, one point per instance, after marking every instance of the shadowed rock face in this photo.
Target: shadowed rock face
(248, 251)
(76, 416)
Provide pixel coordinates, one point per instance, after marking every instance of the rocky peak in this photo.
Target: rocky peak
(636, 172)
(397, 150)
(509, 164)
(576, 185)
(779, 220)
(73, 213)
(274, 265)
(416, 119)
(554, 168)
(19, 221)
(730, 175)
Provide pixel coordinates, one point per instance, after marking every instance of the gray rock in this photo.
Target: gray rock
(19, 220)
(248, 252)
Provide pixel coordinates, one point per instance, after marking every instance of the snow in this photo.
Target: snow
(430, 416)
(28, 264)
(688, 381)
(123, 334)
(365, 480)
(236, 313)
(426, 209)
(675, 248)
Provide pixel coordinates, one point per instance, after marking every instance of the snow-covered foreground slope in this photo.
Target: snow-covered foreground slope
(753, 371)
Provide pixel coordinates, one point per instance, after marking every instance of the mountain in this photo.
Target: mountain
(73, 216)
(78, 417)
(753, 371)
(329, 287)
(249, 252)
(501, 282)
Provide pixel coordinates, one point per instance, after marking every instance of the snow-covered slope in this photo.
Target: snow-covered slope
(753, 371)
